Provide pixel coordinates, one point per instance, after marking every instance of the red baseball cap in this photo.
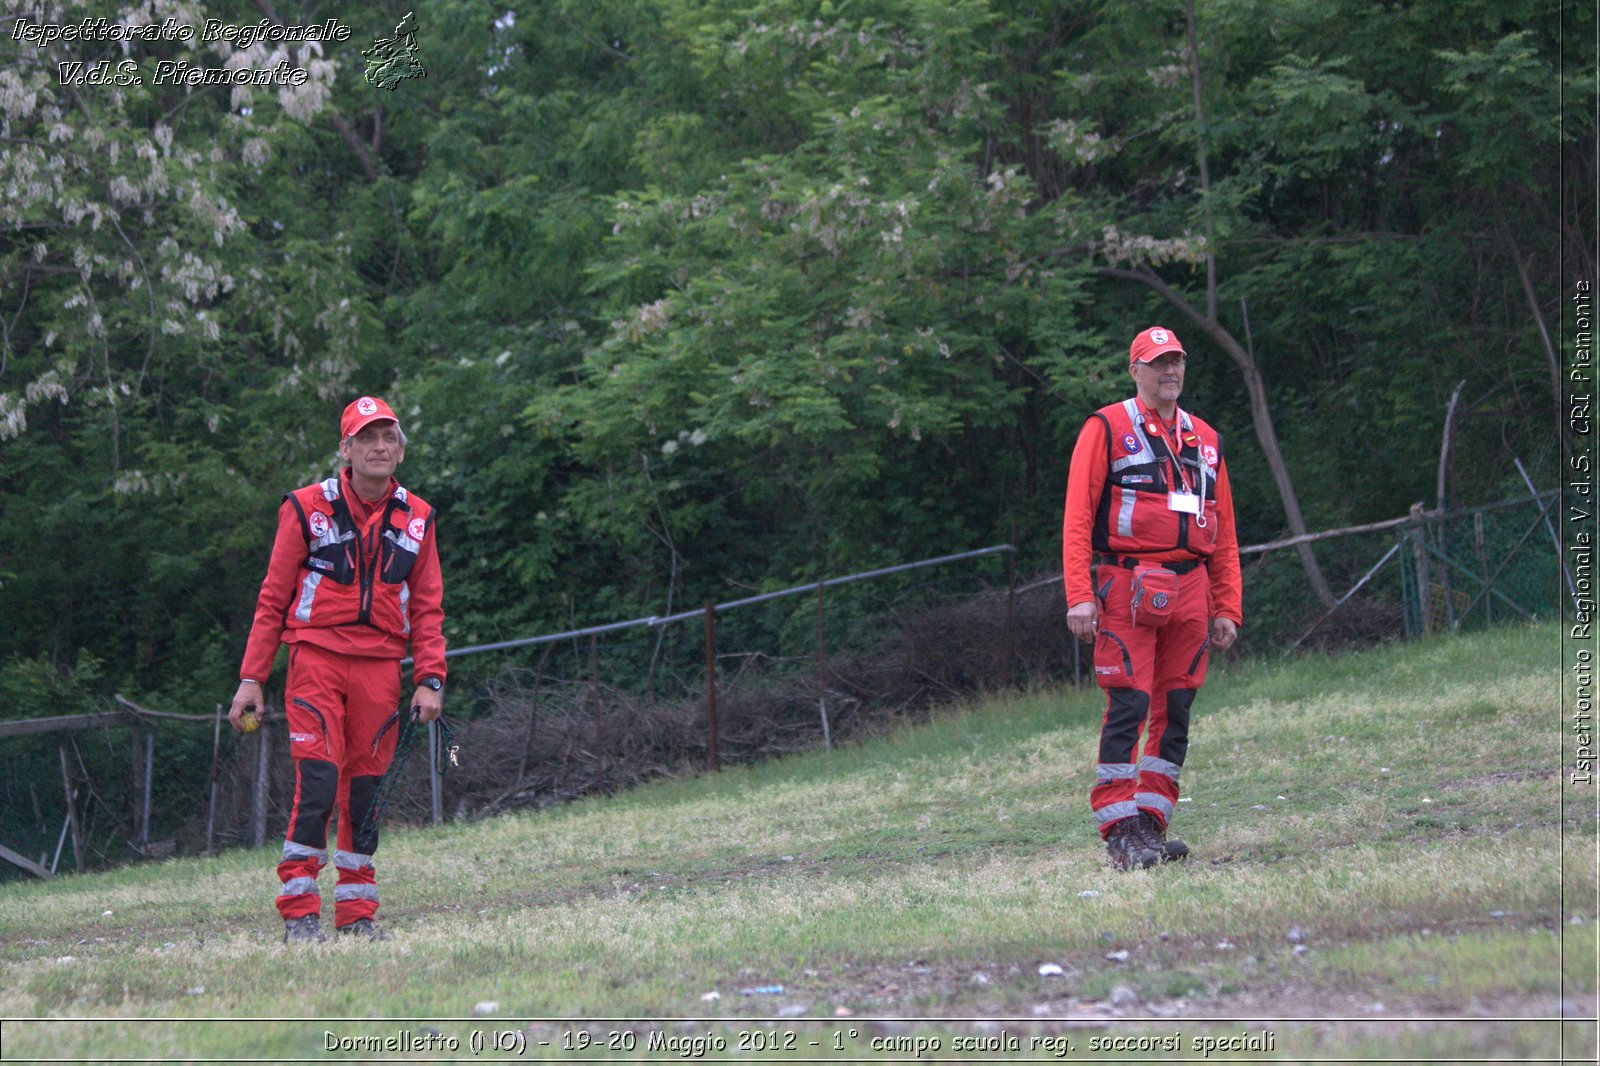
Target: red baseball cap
(361, 412)
(1157, 340)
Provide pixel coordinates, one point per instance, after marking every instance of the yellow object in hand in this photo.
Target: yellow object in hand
(249, 722)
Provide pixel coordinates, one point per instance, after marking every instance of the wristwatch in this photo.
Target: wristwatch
(431, 682)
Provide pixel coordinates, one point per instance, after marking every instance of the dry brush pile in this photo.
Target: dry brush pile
(549, 739)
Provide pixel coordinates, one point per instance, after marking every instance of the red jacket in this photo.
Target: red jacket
(1128, 514)
(351, 578)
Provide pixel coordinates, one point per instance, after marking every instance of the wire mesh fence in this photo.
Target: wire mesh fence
(599, 709)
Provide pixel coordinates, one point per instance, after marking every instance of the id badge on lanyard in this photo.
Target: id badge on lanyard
(1182, 499)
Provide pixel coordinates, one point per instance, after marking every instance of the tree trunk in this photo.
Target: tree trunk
(1260, 414)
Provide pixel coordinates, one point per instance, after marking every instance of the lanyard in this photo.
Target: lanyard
(1173, 444)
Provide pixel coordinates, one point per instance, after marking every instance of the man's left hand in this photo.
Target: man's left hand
(426, 704)
(1223, 633)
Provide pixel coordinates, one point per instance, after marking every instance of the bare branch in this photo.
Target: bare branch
(1538, 315)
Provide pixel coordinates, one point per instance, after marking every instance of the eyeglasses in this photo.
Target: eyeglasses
(1164, 360)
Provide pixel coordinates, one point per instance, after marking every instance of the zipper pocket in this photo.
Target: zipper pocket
(1127, 660)
(321, 722)
(388, 724)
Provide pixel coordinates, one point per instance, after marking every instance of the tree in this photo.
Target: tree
(170, 299)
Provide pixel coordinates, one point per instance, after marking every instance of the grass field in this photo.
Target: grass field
(1389, 863)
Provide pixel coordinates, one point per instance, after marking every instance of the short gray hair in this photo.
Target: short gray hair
(345, 443)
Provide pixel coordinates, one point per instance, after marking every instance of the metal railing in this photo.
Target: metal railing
(708, 613)
(683, 616)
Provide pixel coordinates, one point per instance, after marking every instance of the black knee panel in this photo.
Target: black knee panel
(1125, 713)
(316, 787)
(1175, 741)
(362, 791)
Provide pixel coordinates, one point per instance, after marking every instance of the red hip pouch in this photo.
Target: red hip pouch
(1155, 595)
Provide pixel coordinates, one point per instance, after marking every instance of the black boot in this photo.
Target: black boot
(365, 928)
(1155, 837)
(1127, 847)
(306, 930)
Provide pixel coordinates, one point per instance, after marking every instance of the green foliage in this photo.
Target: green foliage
(680, 299)
(38, 687)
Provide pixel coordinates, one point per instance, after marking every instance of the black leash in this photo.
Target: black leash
(410, 730)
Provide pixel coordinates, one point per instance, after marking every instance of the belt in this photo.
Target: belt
(1128, 562)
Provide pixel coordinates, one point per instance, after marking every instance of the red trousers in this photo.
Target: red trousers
(343, 725)
(1150, 676)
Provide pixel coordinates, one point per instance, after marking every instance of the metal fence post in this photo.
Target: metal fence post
(211, 805)
(1011, 596)
(435, 786)
(822, 676)
(594, 695)
(259, 800)
(1424, 579)
(711, 684)
(1483, 565)
(72, 810)
(136, 785)
(144, 810)
(61, 840)
(1410, 601)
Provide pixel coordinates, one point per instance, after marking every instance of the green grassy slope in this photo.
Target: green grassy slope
(1376, 837)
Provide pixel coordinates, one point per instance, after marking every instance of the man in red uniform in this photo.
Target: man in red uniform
(354, 576)
(1151, 566)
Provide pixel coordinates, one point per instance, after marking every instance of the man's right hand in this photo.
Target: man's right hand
(248, 699)
(1083, 620)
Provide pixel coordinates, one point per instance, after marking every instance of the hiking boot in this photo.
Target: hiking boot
(365, 928)
(1150, 831)
(1126, 845)
(306, 930)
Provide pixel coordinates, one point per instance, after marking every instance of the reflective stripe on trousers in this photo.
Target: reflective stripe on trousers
(300, 886)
